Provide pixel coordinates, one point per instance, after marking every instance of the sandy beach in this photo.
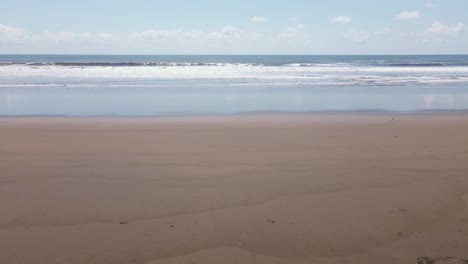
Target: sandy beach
(312, 188)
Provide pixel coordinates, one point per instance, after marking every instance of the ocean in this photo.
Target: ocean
(140, 85)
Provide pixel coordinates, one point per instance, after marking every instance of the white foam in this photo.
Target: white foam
(341, 74)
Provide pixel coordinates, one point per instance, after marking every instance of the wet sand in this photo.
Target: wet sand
(318, 188)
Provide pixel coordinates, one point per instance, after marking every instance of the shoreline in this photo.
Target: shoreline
(252, 114)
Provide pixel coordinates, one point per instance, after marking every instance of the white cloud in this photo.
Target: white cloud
(225, 36)
(293, 18)
(293, 31)
(384, 31)
(106, 36)
(11, 34)
(17, 35)
(408, 15)
(67, 37)
(227, 32)
(231, 40)
(357, 36)
(341, 20)
(259, 20)
(155, 34)
(440, 29)
(429, 5)
(193, 34)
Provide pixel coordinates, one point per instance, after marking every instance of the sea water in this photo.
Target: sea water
(139, 85)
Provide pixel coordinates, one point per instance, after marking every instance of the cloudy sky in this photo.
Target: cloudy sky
(234, 27)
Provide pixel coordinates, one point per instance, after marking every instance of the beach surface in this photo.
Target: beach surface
(311, 188)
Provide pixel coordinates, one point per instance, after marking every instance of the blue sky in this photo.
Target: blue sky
(234, 27)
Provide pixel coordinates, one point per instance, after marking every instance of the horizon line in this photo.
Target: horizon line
(220, 54)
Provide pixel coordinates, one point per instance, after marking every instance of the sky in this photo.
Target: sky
(233, 27)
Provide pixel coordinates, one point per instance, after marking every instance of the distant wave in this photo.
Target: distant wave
(226, 64)
(127, 64)
(417, 65)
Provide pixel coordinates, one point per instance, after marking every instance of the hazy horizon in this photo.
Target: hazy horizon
(220, 54)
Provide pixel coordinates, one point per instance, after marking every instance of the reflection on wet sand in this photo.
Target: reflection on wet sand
(154, 101)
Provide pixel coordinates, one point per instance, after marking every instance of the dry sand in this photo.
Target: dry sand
(241, 189)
